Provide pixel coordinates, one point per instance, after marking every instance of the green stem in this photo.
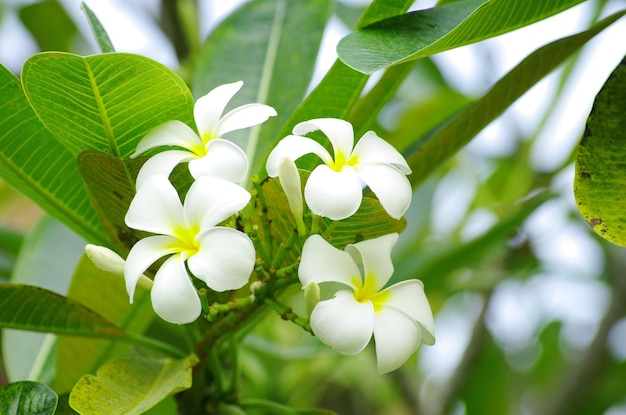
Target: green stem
(287, 313)
(155, 344)
(315, 223)
(267, 407)
(283, 249)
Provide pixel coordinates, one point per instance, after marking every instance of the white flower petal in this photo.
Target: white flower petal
(343, 323)
(208, 109)
(162, 164)
(105, 259)
(373, 149)
(172, 133)
(293, 147)
(143, 254)
(225, 259)
(409, 298)
(224, 160)
(332, 194)
(390, 186)
(396, 336)
(156, 207)
(322, 262)
(289, 178)
(375, 255)
(211, 200)
(174, 298)
(244, 117)
(339, 132)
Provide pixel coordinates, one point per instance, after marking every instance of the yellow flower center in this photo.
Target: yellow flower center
(367, 292)
(187, 241)
(341, 161)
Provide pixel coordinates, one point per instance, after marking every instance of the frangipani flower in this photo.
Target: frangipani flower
(398, 316)
(207, 154)
(221, 257)
(334, 189)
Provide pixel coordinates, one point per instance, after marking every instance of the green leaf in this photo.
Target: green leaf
(33, 162)
(600, 172)
(27, 398)
(131, 385)
(274, 56)
(26, 307)
(103, 102)
(431, 151)
(48, 22)
(99, 32)
(426, 32)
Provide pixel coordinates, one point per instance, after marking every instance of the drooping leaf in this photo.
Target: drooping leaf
(431, 151)
(26, 307)
(104, 102)
(600, 169)
(426, 32)
(274, 56)
(99, 32)
(36, 164)
(27, 398)
(131, 385)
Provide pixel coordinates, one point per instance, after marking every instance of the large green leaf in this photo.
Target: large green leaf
(274, 56)
(26, 307)
(36, 164)
(431, 151)
(49, 24)
(426, 32)
(27, 398)
(103, 102)
(600, 167)
(131, 385)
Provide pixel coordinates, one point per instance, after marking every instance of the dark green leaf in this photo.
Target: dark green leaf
(98, 30)
(431, 151)
(26, 307)
(27, 398)
(50, 25)
(600, 164)
(426, 32)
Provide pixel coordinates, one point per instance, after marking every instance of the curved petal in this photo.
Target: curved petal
(142, 255)
(162, 164)
(211, 200)
(224, 159)
(174, 298)
(375, 256)
(289, 178)
(322, 262)
(225, 259)
(396, 336)
(373, 149)
(208, 109)
(409, 298)
(339, 132)
(172, 133)
(156, 207)
(105, 259)
(332, 194)
(293, 147)
(390, 186)
(343, 323)
(244, 117)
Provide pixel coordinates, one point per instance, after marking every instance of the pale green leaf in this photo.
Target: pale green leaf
(426, 32)
(600, 170)
(36, 164)
(131, 385)
(431, 151)
(27, 398)
(99, 32)
(104, 102)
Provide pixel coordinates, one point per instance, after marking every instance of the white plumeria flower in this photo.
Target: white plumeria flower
(207, 154)
(221, 257)
(334, 189)
(398, 316)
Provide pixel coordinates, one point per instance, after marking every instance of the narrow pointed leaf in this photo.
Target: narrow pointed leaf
(431, 151)
(131, 385)
(600, 173)
(426, 32)
(27, 398)
(99, 32)
(104, 102)
(26, 307)
(274, 56)
(36, 164)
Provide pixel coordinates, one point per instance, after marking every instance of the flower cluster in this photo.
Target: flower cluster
(189, 240)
